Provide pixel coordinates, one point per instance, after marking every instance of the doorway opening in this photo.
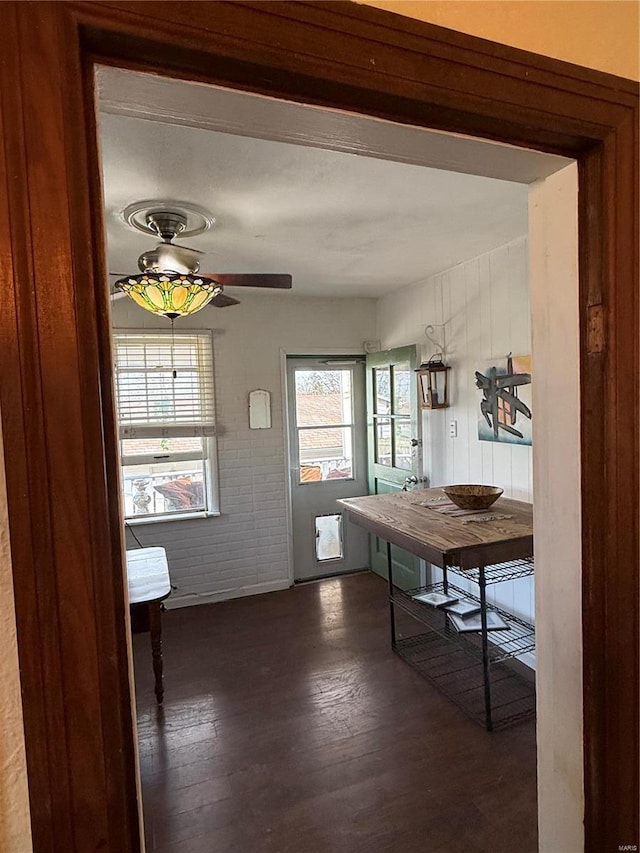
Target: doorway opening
(247, 467)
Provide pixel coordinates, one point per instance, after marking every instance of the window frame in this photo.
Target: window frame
(208, 455)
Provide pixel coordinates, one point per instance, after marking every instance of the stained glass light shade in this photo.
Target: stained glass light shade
(170, 294)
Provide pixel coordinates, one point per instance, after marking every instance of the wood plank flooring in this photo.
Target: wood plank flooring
(289, 726)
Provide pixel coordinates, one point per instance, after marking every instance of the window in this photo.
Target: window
(166, 420)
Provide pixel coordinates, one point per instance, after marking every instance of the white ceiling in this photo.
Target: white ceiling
(342, 224)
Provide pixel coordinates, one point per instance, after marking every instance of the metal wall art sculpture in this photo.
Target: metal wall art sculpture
(505, 407)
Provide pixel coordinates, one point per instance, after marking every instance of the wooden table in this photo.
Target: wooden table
(411, 521)
(406, 519)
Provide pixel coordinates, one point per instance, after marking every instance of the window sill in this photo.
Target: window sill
(161, 519)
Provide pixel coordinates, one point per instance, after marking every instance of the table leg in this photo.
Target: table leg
(445, 589)
(485, 649)
(392, 613)
(155, 627)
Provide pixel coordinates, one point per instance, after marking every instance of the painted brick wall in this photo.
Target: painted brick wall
(245, 550)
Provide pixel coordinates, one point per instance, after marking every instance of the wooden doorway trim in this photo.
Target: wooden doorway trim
(55, 383)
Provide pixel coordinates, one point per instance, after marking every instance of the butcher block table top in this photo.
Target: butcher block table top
(406, 519)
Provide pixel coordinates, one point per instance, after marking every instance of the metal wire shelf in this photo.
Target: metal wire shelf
(457, 674)
(498, 572)
(517, 640)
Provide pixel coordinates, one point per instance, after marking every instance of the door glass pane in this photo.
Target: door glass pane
(402, 445)
(402, 377)
(382, 389)
(323, 397)
(329, 537)
(383, 441)
(325, 454)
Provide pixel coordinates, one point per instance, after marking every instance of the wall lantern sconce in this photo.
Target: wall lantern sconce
(433, 385)
(433, 375)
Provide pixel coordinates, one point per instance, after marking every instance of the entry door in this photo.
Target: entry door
(394, 447)
(328, 461)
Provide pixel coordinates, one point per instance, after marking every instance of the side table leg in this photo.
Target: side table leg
(485, 649)
(155, 626)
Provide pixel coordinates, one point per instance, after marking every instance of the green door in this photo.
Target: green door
(393, 445)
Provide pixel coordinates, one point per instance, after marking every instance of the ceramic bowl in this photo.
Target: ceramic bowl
(473, 497)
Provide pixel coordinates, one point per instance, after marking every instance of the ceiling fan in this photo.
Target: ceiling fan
(170, 283)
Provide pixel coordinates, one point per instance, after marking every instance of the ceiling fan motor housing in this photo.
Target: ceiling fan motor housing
(167, 224)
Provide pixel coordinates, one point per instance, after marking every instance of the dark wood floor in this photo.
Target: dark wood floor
(289, 725)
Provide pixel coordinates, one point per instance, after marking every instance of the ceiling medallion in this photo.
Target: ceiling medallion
(197, 220)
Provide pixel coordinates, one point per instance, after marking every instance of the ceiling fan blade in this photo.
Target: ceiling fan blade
(249, 279)
(224, 301)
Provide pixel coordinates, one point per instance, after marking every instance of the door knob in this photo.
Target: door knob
(410, 481)
(415, 442)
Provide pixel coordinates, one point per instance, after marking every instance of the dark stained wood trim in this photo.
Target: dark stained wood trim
(55, 385)
(594, 548)
(615, 570)
(99, 417)
(27, 494)
(71, 615)
(367, 77)
(395, 29)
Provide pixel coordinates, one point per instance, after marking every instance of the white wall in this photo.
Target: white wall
(245, 551)
(557, 530)
(483, 305)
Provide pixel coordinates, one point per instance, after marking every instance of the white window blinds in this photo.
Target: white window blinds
(164, 384)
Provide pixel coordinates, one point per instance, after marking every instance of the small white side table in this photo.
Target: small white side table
(149, 583)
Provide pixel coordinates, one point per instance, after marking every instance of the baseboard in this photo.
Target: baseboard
(331, 576)
(191, 599)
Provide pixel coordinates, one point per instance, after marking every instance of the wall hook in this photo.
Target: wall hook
(429, 332)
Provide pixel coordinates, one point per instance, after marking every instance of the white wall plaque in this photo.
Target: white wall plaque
(260, 410)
